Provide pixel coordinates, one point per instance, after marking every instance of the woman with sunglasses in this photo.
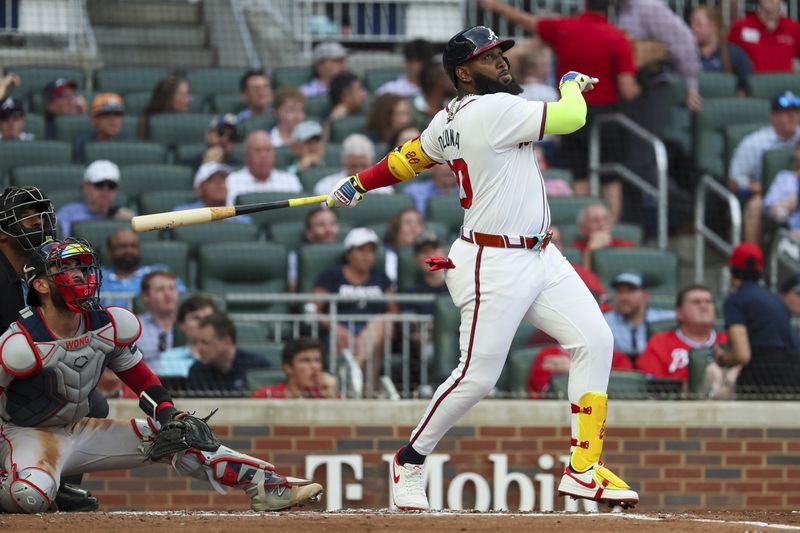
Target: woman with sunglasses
(99, 188)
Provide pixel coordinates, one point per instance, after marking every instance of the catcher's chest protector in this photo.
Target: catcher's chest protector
(58, 393)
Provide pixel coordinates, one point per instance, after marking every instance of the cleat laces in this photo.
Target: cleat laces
(416, 483)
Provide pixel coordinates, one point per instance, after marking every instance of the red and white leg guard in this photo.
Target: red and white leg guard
(30, 490)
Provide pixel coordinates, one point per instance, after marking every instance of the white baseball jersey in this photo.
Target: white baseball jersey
(488, 143)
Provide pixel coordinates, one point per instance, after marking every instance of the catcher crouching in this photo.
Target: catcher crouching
(51, 360)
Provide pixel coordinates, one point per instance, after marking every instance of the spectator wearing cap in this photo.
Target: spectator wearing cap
(441, 180)
(259, 173)
(289, 112)
(745, 175)
(781, 200)
(358, 153)
(222, 138)
(210, 184)
(630, 314)
(769, 38)
(416, 53)
(358, 275)
(255, 90)
(758, 326)
(59, 98)
(124, 252)
(100, 188)
(170, 95)
(308, 146)
(107, 116)
(12, 121)
(347, 96)
(330, 60)
(595, 230)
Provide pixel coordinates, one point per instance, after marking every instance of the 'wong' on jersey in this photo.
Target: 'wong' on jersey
(488, 142)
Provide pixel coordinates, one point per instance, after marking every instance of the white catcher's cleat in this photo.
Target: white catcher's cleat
(276, 492)
(408, 486)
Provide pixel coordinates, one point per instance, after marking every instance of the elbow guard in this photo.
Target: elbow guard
(408, 160)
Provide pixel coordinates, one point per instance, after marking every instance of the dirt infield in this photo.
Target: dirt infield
(441, 522)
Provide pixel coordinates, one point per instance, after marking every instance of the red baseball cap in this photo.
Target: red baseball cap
(747, 255)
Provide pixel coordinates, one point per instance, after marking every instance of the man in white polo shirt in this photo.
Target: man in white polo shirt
(259, 173)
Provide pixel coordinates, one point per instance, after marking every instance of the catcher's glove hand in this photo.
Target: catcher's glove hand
(183, 432)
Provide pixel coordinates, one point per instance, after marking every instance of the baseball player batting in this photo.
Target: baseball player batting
(51, 360)
(501, 270)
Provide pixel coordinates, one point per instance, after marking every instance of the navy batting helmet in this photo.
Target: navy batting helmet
(27, 215)
(469, 43)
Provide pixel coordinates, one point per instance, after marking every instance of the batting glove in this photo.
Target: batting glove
(586, 83)
(346, 193)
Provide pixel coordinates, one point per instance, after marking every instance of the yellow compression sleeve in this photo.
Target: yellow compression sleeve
(408, 160)
(568, 114)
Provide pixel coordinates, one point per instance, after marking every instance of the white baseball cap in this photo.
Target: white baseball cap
(359, 237)
(101, 170)
(207, 170)
(305, 131)
(328, 50)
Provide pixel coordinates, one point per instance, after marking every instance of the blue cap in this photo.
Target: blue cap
(629, 278)
(785, 100)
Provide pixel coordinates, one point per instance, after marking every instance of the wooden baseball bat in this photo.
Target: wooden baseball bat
(176, 219)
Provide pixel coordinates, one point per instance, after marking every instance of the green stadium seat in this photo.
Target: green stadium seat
(659, 267)
(162, 200)
(311, 176)
(34, 78)
(770, 85)
(313, 259)
(289, 234)
(21, 153)
(217, 232)
(734, 135)
(408, 274)
(174, 254)
(49, 178)
(250, 331)
(176, 128)
(63, 197)
(710, 124)
(136, 102)
(773, 162)
(294, 76)
(270, 351)
(698, 361)
(189, 151)
(264, 122)
(138, 179)
(333, 155)
(34, 124)
(629, 232)
(283, 157)
(661, 326)
(445, 210)
(266, 218)
(205, 82)
(565, 211)
(227, 103)
(375, 77)
(342, 127)
(572, 255)
(316, 107)
(70, 126)
(126, 152)
(128, 79)
(621, 385)
(717, 85)
(446, 323)
(243, 267)
(97, 231)
(520, 362)
(263, 377)
(554, 173)
(377, 208)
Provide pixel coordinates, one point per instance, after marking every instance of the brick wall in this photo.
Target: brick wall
(675, 467)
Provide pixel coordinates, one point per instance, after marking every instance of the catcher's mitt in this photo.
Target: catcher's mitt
(183, 432)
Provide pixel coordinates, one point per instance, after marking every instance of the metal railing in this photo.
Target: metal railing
(67, 20)
(704, 234)
(244, 33)
(596, 168)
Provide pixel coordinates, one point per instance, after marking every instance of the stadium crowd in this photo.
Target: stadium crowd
(108, 153)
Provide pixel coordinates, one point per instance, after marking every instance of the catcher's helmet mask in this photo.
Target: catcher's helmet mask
(14, 221)
(56, 261)
(468, 44)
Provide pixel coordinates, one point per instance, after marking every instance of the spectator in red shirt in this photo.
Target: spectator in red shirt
(587, 41)
(594, 227)
(667, 354)
(302, 362)
(770, 39)
(552, 360)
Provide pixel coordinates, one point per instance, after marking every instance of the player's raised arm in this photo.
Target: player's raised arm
(401, 164)
(569, 114)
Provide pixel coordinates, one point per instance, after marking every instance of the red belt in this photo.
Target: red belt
(537, 242)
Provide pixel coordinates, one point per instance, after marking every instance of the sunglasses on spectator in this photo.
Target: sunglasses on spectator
(107, 184)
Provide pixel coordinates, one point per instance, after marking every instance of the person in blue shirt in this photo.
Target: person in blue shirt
(716, 53)
(177, 361)
(631, 315)
(255, 90)
(210, 184)
(441, 180)
(759, 329)
(100, 188)
(124, 251)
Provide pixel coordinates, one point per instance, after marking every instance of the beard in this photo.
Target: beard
(58, 300)
(487, 85)
(126, 263)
